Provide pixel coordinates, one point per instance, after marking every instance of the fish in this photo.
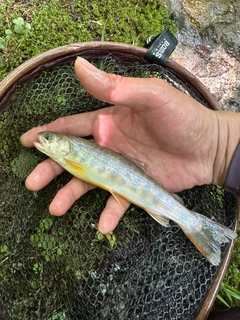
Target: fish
(124, 178)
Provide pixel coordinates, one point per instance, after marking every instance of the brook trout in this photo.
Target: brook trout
(123, 178)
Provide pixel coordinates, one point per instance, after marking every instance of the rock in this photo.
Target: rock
(217, 21)
(203, 13)
(209, 45)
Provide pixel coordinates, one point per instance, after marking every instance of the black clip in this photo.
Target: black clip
(160, 47)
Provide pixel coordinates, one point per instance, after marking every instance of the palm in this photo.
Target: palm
(170, 154)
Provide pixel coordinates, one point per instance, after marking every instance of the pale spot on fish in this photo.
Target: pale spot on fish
(117, 180)
(147, 195)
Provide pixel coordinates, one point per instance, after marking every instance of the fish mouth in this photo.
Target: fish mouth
(40, 144)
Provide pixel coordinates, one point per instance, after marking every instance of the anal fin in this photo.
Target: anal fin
(159, 218)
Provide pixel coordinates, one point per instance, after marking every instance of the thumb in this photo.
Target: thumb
(124, 91)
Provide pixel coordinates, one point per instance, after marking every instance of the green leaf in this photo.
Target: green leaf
(37, 267)
(223, 301)
(50, 243)
(3, 248)
(57, 316)
(47, 257)
(19, 21)
(3, 43)
(45, 245)
(231, 291)
(100, 236)
(8, 34)
(45, 223)
(61, 100)
(32, 239)
(59, 251)
(112, 243)
(20, 26)
(28, 26)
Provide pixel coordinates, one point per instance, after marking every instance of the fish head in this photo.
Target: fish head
(54, 145)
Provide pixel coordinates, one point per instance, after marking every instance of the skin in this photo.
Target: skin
(181, 143)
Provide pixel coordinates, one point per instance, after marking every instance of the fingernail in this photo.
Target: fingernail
(85, 64)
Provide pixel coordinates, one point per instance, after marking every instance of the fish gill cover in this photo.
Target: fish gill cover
(62, 267)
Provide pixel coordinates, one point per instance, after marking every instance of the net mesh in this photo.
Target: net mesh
(61, 267)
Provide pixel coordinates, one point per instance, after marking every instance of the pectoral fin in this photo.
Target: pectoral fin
(139, 163)
(75, 168)
(159, 218)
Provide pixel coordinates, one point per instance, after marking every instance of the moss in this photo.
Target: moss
(24, 163)
(55, 23)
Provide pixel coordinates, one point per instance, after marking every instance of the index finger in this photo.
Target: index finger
(78, 124)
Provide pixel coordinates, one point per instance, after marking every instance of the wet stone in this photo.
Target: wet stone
(209, 45)
(210, 12)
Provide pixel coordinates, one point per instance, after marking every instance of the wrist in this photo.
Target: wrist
(228, 137)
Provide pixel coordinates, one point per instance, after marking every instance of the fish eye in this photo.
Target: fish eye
(48, 136)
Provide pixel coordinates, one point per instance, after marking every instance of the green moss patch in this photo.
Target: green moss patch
(29, 28)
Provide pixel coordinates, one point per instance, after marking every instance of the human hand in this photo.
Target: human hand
(178, 140)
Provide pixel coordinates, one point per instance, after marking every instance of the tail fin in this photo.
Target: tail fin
(207, 236)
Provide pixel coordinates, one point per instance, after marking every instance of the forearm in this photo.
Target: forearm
(228, 138)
